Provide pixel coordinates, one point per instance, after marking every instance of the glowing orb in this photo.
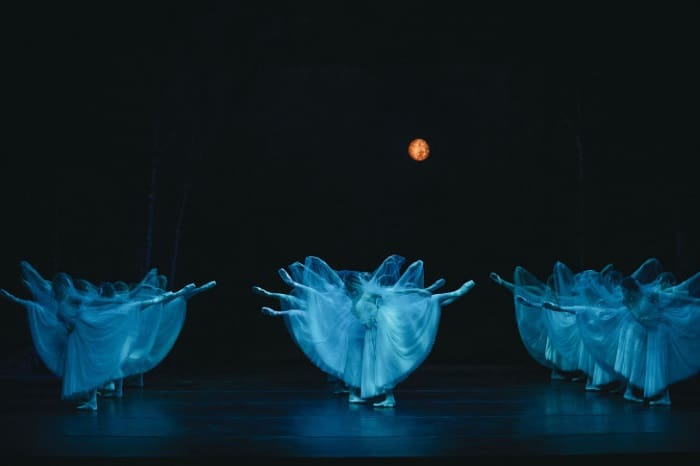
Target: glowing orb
(418, 149)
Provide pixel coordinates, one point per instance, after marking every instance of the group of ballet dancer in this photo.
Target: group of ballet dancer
(368, 331)
(636, 335)
(94, 336)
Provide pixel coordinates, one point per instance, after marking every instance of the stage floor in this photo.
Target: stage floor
(487, 415)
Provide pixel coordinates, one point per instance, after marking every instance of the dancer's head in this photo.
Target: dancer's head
(665, 280)
(107, 290)
(611, 279)
(83, 286)
(355, 283)
(631, 291)
(120, 287)
(62, 286)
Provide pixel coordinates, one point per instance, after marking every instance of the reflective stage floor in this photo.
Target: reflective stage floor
(460, 414)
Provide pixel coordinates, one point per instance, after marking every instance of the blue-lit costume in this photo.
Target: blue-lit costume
(90, 335)
(369, 329)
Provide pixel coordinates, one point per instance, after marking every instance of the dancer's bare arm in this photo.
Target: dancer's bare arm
(289, 312)
(187, 294)
(32, 277)
(168, 296)
(556, 307)
(292, 300)
(7, 295)
(438, 284)
(289, 281)
(526, 302)
(286, 278)
(497, 278)
(448, 298)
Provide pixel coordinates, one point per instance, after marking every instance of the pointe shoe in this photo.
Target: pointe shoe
(87, 406)
(591, 387)
(387, 402)
(663, 400)
(630, 396)
(354, 398)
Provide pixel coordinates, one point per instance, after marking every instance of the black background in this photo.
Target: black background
(280, 131)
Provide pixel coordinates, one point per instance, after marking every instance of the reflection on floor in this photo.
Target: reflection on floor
(468, 414)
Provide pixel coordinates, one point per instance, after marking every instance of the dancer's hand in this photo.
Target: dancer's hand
(207, 286)
(185, 291)
(286, 277)
(7, 295)
(466, 287)
(261, 291)
(191, 290)
(496, 278)
(270, 312)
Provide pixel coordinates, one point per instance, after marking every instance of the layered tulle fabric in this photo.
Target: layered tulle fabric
(571, 289)
(532, 324)
(49, 336)
(91, 338)
(157, 330)
(327, 331)
(652, 341)
(653, 345)
(369, 329)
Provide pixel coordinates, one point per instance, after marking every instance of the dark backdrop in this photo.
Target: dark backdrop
(273, 133)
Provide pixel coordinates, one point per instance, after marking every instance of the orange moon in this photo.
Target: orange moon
(419, 149)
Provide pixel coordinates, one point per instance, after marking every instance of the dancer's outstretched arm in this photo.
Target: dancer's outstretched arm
(286, 278)
(187, 294)
(688, 287)
(32, 277)
(292, 300)
(7, 295)
(289, 281)
(289, 312)
(497, 278)
(438, 284)
(526, 302)
(168, 296)
(556, 307)
(448, 298)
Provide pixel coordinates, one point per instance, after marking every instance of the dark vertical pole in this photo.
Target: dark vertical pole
(581, 213)
(138, 378)
(57, 234)
(178, 230)
(581, 184)
(183, 205)
(151, 203)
